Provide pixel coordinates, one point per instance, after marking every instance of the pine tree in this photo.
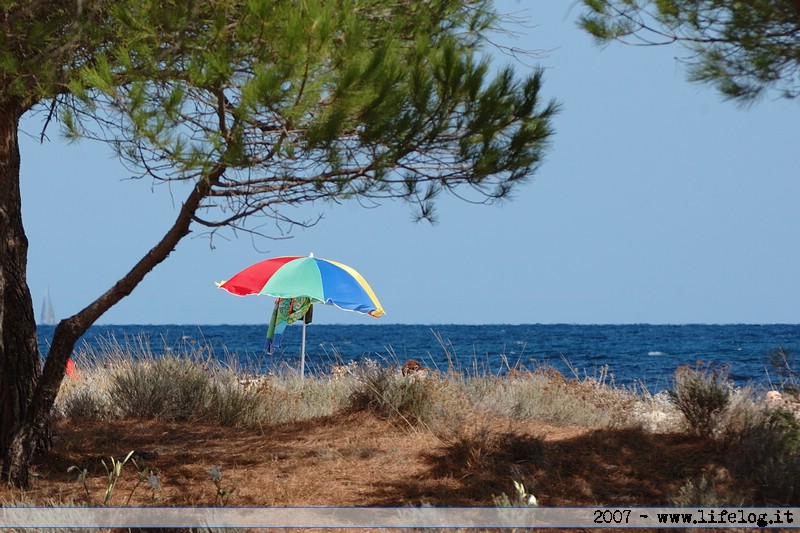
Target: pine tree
(741, 48)
(250, 107)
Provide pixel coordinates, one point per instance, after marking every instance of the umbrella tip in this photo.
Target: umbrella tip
(311, 254)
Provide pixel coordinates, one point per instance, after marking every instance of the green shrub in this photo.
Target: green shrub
(168, 388)
(765, 453)
(702, 395)
(704, 493)
(520, 499)
(180, 389)
(388, 393)
(86, 405)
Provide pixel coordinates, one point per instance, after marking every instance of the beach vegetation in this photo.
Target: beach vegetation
(520, 497)
(546, 394)
(702, 492)
(785, 364)
(765, 448)
(703, 395)
(225, 488)
(449, 438)
(388, 393)
(113, 473)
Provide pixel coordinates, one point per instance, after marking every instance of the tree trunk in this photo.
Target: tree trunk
(34, 423)
(20, 364)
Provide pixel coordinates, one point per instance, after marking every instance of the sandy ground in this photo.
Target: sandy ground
(361, 459)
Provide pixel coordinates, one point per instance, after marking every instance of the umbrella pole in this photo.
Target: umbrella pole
(303, 352)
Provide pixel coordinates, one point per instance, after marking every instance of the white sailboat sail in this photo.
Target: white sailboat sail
(48, 316)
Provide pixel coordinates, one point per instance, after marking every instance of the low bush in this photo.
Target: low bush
(765, 453)
(167, 388)
(179, 389)
(701, 492)
(85, 404)
(388, 393)
(702, 394)
(234, 405)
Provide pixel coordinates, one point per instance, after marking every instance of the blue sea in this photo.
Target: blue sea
(640, 354)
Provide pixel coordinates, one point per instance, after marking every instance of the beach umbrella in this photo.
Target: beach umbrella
(305, 277)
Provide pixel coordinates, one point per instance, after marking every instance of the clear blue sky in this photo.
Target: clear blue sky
(658, 203)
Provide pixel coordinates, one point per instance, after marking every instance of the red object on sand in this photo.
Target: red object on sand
(71, 369)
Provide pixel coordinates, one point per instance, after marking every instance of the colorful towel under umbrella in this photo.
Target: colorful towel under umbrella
(286, 312)
(319, 280)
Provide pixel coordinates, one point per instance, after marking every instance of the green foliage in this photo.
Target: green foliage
(741, 48)
(43, 45)
(702, 394)
(331, 100)
(701, 492)
(113, 470)
(113, 474)
(520, 499)
(256, 106)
